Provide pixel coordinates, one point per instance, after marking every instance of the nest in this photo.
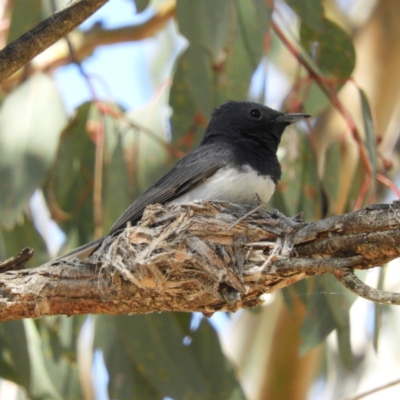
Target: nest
(209, 256)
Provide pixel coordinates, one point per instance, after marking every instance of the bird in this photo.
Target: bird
(235, 162)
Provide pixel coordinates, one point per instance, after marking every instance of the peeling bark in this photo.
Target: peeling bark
(194, 258)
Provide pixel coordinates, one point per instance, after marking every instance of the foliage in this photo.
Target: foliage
(92, 165)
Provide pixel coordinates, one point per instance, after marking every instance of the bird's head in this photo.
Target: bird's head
(245, 120)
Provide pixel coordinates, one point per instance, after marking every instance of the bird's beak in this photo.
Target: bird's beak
(292, 118)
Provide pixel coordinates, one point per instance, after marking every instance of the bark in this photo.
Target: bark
(81, 45)
(202, 257)
(18, 53)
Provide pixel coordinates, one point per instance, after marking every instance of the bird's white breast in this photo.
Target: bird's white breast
(229, 184)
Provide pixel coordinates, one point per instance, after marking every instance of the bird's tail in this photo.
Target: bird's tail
(81, 252)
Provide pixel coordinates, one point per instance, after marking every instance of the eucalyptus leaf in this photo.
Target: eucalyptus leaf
(141, 5)
(25, 15)
(331, 49)
(310, 12)
(31, 120)
(155, 358)
(220, 60)
(69, 189)
(24, 234)
(370, 137)
(127, 380)
(298, 190)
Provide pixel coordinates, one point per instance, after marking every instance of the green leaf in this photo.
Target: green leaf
(232, 82)
(220, 61)
(69, 188)
(116, 189)
(32, 118)
(298, 190)
(330, 48)
(127, 380)
(23, 235)
(210, 30)
(141, 5)
(14, 345)
(25, 15)
(310, 12)
(26, 357)
(145, 152)
(184, 130)
(59, 337)
(379, 308)
(165, 361)
(159, 362)
(319, 321)
(316, 100)
(328, 308)
(331, 179)
(218, 373)
(370, 138)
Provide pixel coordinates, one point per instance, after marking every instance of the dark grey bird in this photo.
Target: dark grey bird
(235, 162)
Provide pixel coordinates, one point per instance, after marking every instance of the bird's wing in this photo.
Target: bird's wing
(198, 165)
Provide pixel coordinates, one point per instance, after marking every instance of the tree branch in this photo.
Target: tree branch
(194, 258)
(84, 43)
(18, 53)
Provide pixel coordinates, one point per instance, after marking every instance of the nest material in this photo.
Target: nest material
(192, 252)
(204, 257)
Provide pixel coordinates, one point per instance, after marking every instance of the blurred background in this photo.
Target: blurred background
(97, 118)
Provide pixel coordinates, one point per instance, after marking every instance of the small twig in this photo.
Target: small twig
(17, 262)
(350, 281)
(372, 391)
(259, 207)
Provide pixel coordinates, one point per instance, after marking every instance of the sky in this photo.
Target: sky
(118, 72)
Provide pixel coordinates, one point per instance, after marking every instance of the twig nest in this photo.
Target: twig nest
(200, 249)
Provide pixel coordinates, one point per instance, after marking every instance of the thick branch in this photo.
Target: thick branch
(43, 35)
(82, 44)
(194, 258)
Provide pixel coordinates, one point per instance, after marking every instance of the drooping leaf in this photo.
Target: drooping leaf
(315, 101)
(114, 174)
(59, 345)
(141, 5)
(32, 118)
(185, 131)
(146, 155)
(127, 380)
(25, 359)
(25, 15)
(331, 179)
(298, 190)
(330, 48)
(247, 49)
(210, 30)
(165, 360)
(218, 373)
(310, 12)
(162, 363)
(24, 234)
(222, 56)
(379, 309)
(370, 138)
(328, 308)
(17, 366)
(69, 189)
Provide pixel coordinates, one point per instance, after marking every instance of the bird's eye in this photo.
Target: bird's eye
(255, 113)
